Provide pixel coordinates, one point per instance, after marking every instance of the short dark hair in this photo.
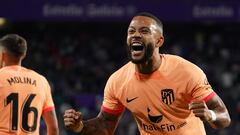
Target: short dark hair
(147, 14)
(14, 44)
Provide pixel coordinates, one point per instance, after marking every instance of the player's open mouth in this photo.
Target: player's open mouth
(137, 48)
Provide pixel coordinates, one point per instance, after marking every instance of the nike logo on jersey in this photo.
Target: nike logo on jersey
(130, 100)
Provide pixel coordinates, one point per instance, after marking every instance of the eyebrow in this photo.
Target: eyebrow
(131, 27)
(140, 27)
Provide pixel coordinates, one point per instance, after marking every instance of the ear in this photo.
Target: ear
(160, 41)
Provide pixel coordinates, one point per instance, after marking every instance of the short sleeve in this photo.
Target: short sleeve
(199, 85)
(110, 103)
(48, 103)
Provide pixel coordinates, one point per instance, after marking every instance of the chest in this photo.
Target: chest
(142, 97)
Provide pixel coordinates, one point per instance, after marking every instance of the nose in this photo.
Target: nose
(137, 34)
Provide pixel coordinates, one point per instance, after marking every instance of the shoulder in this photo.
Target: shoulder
(191, 68)
(175, 59)
(37, 75)
(3, 70)
(181, 65)
(123, 73)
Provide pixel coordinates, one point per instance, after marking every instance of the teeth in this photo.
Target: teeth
(136, 44)
(137, 47)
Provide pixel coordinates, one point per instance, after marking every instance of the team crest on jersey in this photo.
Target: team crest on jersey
(167, 96)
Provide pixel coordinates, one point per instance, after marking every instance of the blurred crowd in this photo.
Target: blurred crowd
(78, 58)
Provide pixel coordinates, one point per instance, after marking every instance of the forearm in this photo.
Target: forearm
(104, 124)
(222, 116)
(93, 126)
(222, 120)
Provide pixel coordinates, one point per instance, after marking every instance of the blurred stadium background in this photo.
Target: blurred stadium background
(78, 44)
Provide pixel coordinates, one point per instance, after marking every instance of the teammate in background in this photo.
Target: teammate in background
(25, 95)
(166, 94)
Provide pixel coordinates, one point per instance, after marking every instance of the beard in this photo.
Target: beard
(149, 48)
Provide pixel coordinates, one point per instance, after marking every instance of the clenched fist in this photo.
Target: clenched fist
(73, 120)
(200, 109)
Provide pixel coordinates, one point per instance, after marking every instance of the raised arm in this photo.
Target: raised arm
(213, 111)
(104, 124)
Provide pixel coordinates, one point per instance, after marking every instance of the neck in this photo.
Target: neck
(18, 63)
(149, 66)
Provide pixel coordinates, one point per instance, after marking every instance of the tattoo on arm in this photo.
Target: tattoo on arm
(103, 124)
(223, 119)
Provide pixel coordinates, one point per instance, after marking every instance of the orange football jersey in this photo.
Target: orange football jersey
(24, 96)
(159, 101)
